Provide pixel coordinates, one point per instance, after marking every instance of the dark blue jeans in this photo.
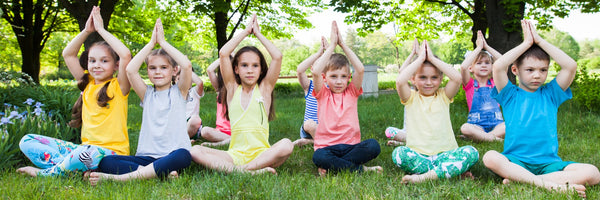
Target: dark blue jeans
(175, 161)
(345, 156)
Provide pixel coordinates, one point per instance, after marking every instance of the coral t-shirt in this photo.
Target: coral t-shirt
(338, 117)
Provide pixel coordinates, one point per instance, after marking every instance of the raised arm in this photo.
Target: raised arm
(304, 65)
(117, 46)
(71, 50)
(453, 84)
(413, 52)
(199, 83)
(568, 66)
(402, 86)
(212, 74)
(185, 66)
(137, 83)
(501, 65)
(276, 57)
(226, 68)
(359, 68)
(320, 63)
(470, 58)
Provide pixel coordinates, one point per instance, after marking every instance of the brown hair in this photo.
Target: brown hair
(534, 51)
(102, 98)
(337, 61)
(481, 55)
(264, 68)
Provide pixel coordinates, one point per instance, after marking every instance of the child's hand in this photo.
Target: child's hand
(154, 32)
(97, 19)
(89, 24)
(536, 37)
(415, 47)
(160, 33)
(340, 38)
(249, 25)
(480, 42)
(485, 45)
(255, 26)
(423, 50)
(334, 35)
(323, 45)
(429, 53)
(527, 36)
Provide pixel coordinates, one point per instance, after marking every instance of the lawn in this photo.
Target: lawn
(297, 177)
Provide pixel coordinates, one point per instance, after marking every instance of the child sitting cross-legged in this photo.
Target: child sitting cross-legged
(530, 111)
(431, 152)
(337, 138)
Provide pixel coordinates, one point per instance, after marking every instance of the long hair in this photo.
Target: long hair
(102, 98)
(264, 68)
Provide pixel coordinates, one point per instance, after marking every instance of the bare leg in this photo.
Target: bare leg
(477, 133)
(214, 136)
(309, 127)
(399, 139)
(221, 161)
(142, 172)
(193, 125)
(500, 165)
(418, 178)
(322, 172)
(577, 173)
(29, 170)
(273, 157)
(377, 169)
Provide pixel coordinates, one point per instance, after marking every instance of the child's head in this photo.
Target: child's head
(249, 65)
(427, 79)
(532, 68)
(162, 69)
(102, 61)
(482, 66)
(337, 73)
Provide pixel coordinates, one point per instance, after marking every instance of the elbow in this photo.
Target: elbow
(277, 55)
(223, 54)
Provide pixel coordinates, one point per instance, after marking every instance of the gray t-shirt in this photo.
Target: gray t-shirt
(164, 127)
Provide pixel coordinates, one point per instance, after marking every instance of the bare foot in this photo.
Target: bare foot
(322, 172)
(29, 170)
(580, 189)
(86, 175)
(173, 175)
(506, 181)
(302, 141)
(377, 169)
(467, 175)
(214, 144)
(96, 177)
(394, 143)
(418, 178)
(264, 170)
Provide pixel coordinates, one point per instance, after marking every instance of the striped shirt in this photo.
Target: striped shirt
(310, 111)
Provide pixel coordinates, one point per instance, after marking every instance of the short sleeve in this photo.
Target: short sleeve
(557, 94)
(502, 97)
(469, 85)
(413, 93)
(351, 89)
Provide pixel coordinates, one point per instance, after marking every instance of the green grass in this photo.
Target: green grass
(297, 177)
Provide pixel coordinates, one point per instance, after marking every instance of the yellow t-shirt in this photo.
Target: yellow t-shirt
(428, 123)
(105, 126)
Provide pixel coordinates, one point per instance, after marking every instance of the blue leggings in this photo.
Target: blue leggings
(58, 157)
(345, 156)
(175, 161)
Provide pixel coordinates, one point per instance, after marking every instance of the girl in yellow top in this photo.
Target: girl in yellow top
(249, 85)
(101, 109)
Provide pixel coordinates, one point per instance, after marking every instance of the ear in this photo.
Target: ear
(116, 67)
(236, 70)
(175, 70)
(514, 69)
(323, 75)
(470, 68)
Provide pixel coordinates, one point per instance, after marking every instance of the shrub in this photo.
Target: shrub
(585, 89)
(13, 78)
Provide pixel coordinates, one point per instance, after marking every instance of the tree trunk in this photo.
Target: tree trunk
(30, 56)
(479, 19)
(504, 27)
(221, 28)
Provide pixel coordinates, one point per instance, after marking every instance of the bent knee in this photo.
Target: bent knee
(592, 173)
(285, 147)
(491, 158)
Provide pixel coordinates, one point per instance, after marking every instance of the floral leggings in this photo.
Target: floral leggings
(445, 164)
(58, 157)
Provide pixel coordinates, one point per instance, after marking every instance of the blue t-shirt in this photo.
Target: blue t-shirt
(530, 117)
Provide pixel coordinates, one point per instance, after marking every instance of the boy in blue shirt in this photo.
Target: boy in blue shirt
(530, 112)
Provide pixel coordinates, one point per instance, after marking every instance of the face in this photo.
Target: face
(427, 80)
(160, 72)
(532, 73)
(482, 68)
(101, 64)
(248, 68)
(337, 79)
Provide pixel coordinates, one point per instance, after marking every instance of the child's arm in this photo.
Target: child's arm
(199, 83)
(464, 67)
(212, 74)
(568, 66)
(118, 47)
(488, 48)
(185, 66)
(137, 83)
(402, 86)
(359, 68)
(453, 84)
(304, 65)
(276, 56)
(71, 50)
(320, 64)
(501, 65)
(226, 68)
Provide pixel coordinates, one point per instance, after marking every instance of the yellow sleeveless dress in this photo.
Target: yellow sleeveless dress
(249, 128)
